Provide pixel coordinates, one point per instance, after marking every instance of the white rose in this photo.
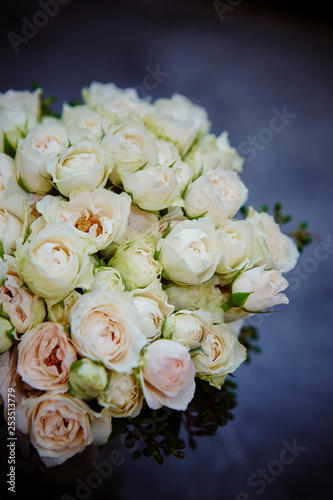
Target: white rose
(237, 237)
(122, 397)
(153, 188)
(11, 229)
(7, 174)
(167, 375)
(18, 109)
(207, 296)
(153, 307)
(140, 224)
(55, 262)
(85, 166)
(59, 311)
(136, 263)
(178, 120)
(107, 278)
(220, 354)
(82, 122)
(167, 153)
(25, 310)
(263, 287)
(60, 426)
(41, 144)
(219, 193)
(283, 252)
(105, 326)
(191, 251)
(100, 216)
(189, 328)
(114, 102)
(132, 146)
(212, 152)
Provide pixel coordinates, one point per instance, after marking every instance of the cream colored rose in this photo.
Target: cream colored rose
(105, 326)
(283, 253)
(60, 426)
(178, 120)
(153, 307)
(140, 224)
(82, 122)
(263, 287)
(132, 146)
(100, 216)
(85, 166)
(114, 102)
(189, 328)
(212, 152)
(55, 262)
(19, 110)
(107, 278)
(11, 228)
(191, 251)
(136, 263)
(167, 153)
(238, 238)
(59, 311)
(41, 145)
(45, 356)
(218, 193)
(220, 354)
(153, 188)
(25, 310)
(122, 397)
(208, 296)
(7, 174)
(167, 375)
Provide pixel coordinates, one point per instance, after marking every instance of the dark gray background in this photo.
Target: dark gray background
(239, 69)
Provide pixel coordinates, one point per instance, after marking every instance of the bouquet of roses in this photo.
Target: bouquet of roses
(126, 273)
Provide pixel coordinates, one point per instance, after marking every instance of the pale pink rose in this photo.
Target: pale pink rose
(25, 310)
(167, 376)
(58, 425)
(9, 378)
(45, 357)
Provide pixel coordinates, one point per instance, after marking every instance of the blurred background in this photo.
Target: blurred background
(244, 61)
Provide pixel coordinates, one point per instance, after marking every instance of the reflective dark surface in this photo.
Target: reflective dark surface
(244, 70)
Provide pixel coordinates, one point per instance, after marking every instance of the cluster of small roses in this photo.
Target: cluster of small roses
(125, 274)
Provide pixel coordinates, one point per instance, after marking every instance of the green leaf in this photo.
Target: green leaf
(10, 335)
(167, 230)
(22, 185)
(240, 298)
(137, 454)
(198, 216)
(62, 304)
(143, 166)
(158, 457)
(264, 208)
(2, 253)
(7, 147)
(157, 254)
